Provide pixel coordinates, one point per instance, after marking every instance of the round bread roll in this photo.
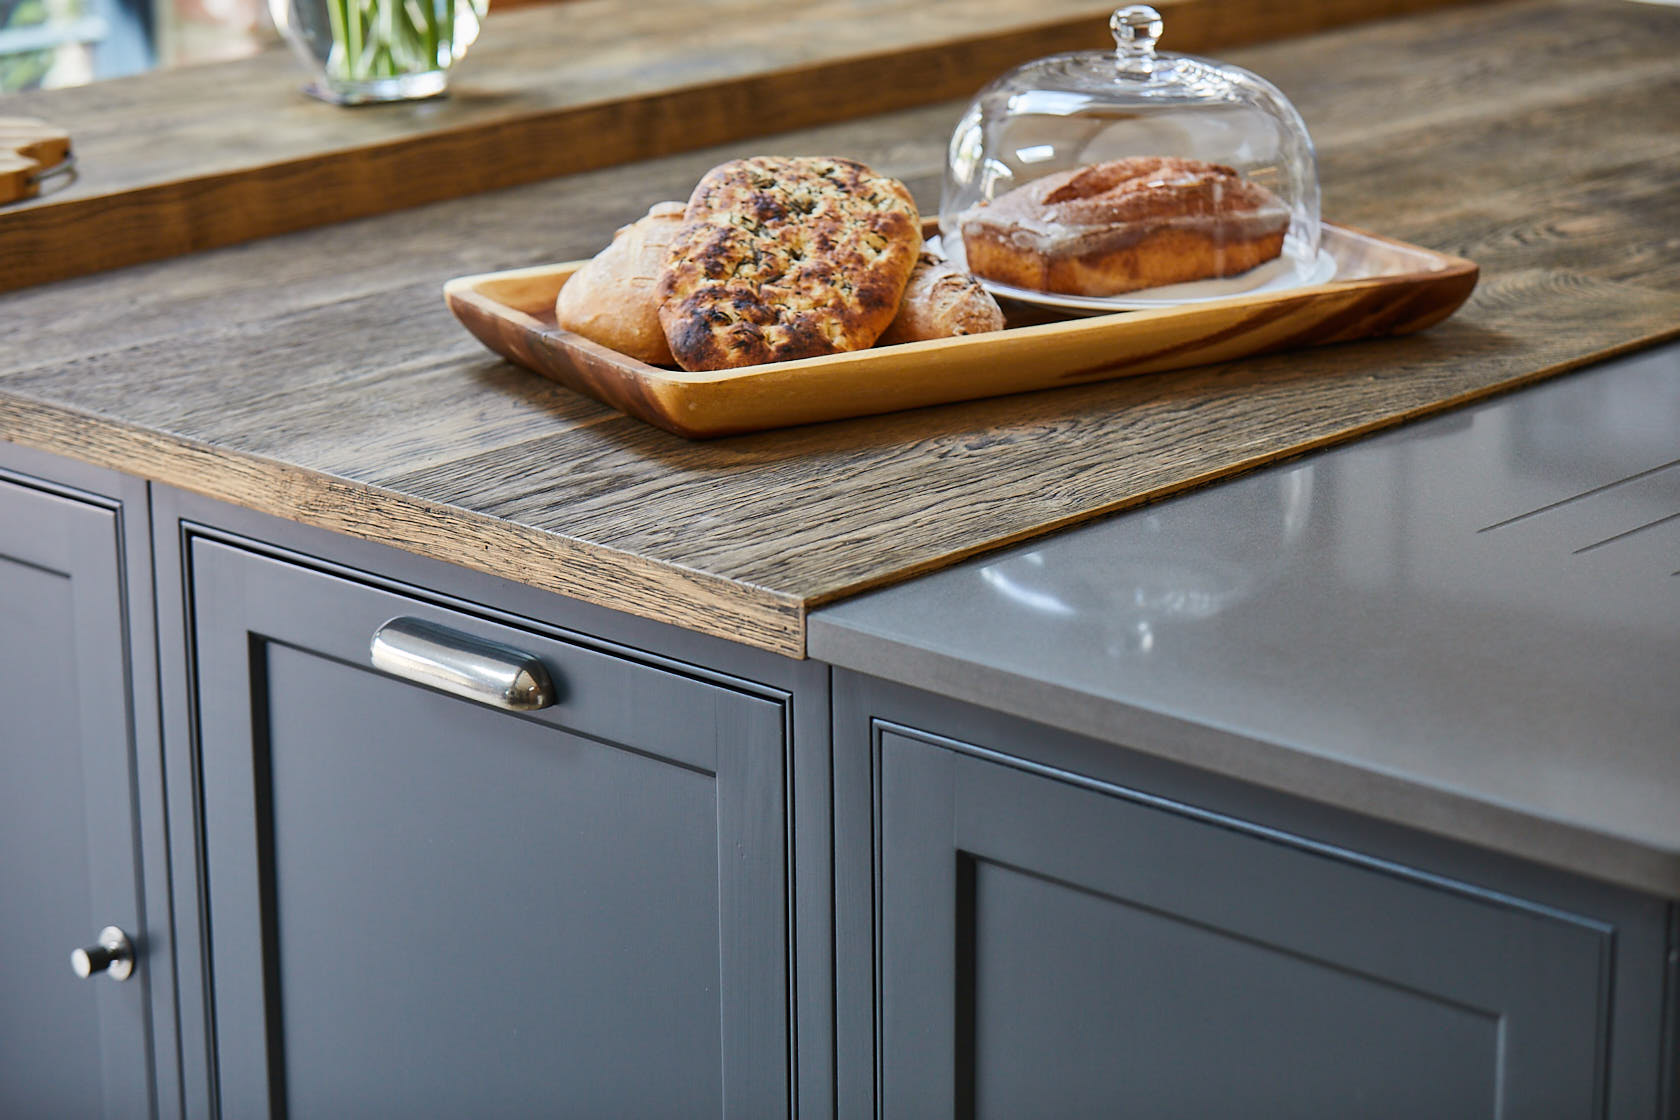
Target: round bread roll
(941, 301)
(613, 298)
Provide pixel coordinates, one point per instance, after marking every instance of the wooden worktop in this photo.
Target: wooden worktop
(197, 158)
(318, 377)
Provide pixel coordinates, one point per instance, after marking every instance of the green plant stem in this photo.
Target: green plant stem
(335, 21)
(356, 70)
(387, 13)
(429, 42)
(389, 38)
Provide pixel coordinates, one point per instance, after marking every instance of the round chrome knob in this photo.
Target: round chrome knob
(114, 956)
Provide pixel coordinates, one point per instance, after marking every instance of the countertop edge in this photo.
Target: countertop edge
(1498, 827)
(706, 604)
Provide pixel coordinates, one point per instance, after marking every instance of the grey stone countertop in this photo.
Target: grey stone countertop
(1469, 625)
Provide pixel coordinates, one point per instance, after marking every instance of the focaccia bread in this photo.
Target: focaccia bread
(613, 299)
(1123, 225)
(942, 301)
(782, 258)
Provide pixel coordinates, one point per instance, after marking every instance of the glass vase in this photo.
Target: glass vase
(366, 51)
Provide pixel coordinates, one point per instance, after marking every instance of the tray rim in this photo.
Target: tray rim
(467, 301)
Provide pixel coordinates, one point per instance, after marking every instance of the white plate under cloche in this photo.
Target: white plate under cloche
(1279, 275)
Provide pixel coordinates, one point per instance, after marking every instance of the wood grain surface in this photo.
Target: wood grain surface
(1382, 287)
(319, 377)
(208, 156)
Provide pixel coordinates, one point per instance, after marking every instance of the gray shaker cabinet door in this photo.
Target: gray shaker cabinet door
(1050, 947)
(69, 1048)
(423, 906)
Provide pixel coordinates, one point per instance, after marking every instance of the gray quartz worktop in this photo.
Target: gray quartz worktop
(1470, 625)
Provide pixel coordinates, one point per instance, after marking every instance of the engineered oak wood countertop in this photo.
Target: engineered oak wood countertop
(196, 158)
(317, 376)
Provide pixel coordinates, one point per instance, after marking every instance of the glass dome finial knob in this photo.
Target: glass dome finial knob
(1135, 30)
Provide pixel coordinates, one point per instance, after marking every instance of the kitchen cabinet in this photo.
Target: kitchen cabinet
(73, 749)
(1035, 924)
(417, 902)
(387, 897)
(421, 904)
(381, 896)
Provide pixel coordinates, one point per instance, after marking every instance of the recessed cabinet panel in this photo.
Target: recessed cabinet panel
(1055, 948)
(1077, 992)
(68, 1047)
(423, 905)
(476, 914)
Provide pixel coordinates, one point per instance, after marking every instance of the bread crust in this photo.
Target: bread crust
(1123, 225)
(613, 299)
(941, 301)
(782, 258)
(1161, 257)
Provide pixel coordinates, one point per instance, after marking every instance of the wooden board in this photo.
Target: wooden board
(17, 176)
(1382, 287)
(44, 143)
(30, 150)
(213, 155)
(318, 377)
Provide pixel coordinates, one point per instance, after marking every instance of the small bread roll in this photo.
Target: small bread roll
(612, 299)
(940, 301)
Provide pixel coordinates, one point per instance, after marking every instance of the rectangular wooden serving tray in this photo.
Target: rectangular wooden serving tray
(1381, 287)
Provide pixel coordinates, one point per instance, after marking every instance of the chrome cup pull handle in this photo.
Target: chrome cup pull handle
(462, 665)
(113, 955)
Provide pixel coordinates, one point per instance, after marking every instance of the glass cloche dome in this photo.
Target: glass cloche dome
(1132, 178)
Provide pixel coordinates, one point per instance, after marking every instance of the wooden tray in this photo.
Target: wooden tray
(1382, 287)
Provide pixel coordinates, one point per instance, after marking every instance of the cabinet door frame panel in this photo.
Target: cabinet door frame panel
(800, 689)
(1637, 964)
(935, 798)
(738, 738)
(75, 521)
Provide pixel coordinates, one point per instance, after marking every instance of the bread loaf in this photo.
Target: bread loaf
(1124, 225)
(783, 258)
(613, 299)
(941, 301)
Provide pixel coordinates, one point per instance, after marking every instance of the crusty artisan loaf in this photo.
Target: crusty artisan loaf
(1123, 225)
(613, 298)
(940, 301)
(782, 258)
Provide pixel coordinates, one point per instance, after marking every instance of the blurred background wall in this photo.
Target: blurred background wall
(47, 43)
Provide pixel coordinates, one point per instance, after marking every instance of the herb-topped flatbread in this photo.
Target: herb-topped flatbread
(785, 258)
